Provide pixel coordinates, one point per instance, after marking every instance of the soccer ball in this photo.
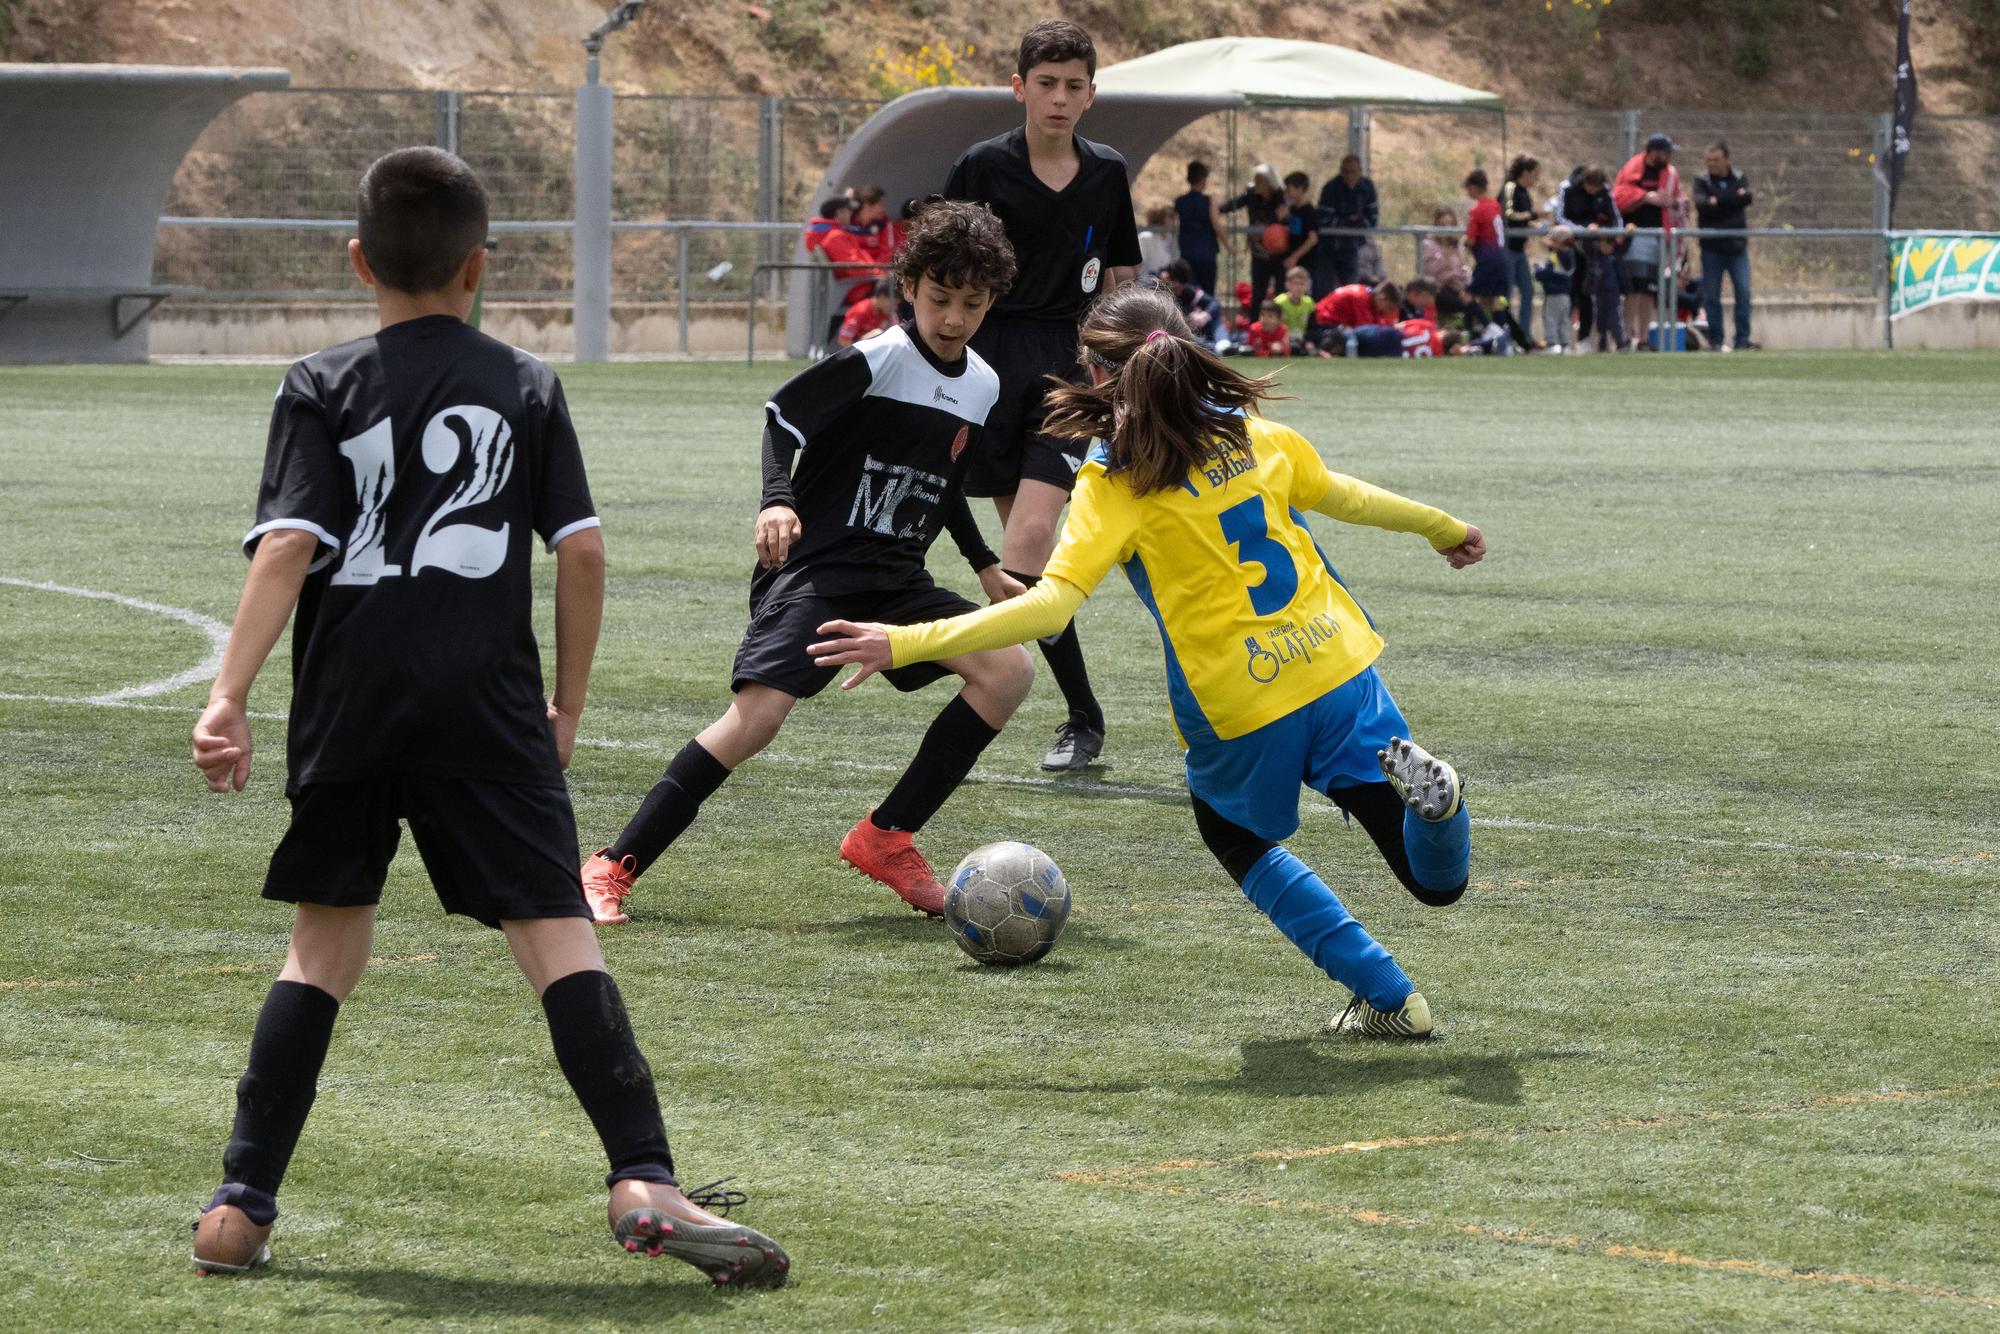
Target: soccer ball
(1006, 904)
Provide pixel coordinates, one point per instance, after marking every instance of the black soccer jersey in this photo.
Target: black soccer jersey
(884, 431)
(422, 458)
(1063, 240)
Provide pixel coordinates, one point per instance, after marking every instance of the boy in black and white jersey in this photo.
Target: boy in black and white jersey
(883, 433)
(406, 476)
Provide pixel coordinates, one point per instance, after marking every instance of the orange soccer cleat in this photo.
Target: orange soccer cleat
(606, 882)
(889, 855)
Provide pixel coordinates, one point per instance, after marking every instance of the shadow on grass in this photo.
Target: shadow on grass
(427, 1296)
(1308, 1067)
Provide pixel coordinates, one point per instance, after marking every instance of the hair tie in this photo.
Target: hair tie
(1157, 333)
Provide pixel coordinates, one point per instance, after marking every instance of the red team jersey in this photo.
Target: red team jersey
(1351, 306)
(863, 319)
(1268, 342)
(1482, 225)
(1421, 338)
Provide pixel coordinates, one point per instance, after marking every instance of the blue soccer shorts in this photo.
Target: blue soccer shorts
(1253, 780)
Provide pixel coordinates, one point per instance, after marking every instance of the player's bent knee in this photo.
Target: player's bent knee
(1237, 848)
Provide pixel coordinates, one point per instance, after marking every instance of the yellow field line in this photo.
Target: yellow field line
(210, 970)
(1115, 1176)
(1573, 1245)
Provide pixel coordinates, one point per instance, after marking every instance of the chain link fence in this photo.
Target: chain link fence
(297, 154)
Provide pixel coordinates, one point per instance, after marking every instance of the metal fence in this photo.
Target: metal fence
(297, 154)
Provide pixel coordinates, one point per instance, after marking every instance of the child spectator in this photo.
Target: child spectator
(1556, 274)
(1610, 296)
(1156, 242)
(417, 694)
(1246, 311)
(1202, 235)
(1483, 236)
(1201, 310)
(833, 215)
(1585, 203)
(1269, 337)
(865, 319)
(1302, 222)
(871, 223)
(1296, 307)
(899, 230)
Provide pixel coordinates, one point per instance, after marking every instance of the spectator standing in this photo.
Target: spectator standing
(1156, 241)
(1647, 192)
(1302, 224)
(1722, 199)
(1348, 200)
(1557, 275)
(1202, 235)
(1262, 205)
(1610, 279)
(1519, 215)
(1584, 203)
(1483, 237)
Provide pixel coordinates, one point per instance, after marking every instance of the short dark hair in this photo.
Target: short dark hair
(1389, 292)
(870, 194)
(1269, 307)
(422, 212)
(958, 244)
(1593, 176)
(835, 206)
(1197, 172)
(1476, 179)
(1180, 271)
(1719, 146)
(1055, 42)
(1298, 180)
(1420, 286)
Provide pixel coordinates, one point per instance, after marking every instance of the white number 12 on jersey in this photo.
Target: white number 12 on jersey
(464, 549)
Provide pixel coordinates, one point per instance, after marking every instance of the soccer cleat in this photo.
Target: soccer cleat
(1427, 785)
(654, 1220)
(891, 856)
(606, 882)
(1076, 745)
(227, 1242)
(1412, 1021)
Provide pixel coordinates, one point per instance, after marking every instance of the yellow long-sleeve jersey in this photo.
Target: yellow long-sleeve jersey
(1254, 622)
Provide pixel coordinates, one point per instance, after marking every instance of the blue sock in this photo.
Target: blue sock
(1312, 917)
(1440, 851)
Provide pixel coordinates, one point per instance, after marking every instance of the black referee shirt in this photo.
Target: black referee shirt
(1063, 240)
(423, 458)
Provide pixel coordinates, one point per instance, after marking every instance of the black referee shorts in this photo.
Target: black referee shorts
(773, 651)
(1024, 354)
(495, 851)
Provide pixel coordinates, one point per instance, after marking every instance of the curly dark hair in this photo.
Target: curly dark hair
(957, 244)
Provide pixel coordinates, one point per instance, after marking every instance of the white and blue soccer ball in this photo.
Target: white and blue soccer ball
(1006, 904)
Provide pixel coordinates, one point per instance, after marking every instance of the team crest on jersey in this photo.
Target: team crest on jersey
(958, 442)
(1091, 270)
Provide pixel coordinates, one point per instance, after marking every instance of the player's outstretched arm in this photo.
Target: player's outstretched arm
(1469, 552)
(579, 617)
(222, 733)
(1042, 610)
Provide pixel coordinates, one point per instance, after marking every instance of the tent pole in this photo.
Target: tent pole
(1229, 118)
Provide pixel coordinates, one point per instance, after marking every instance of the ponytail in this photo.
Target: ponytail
(1169, 405)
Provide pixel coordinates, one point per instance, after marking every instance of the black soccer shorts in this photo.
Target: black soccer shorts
(495, 851)
(1024, 354)
(773, 651)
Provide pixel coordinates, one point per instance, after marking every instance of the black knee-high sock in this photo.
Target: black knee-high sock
(275, 1094)
(1065, 658)
(950, 748)
(671, 806)
(600, 1058)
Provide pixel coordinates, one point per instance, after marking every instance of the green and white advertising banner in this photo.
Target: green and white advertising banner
(1926, 269)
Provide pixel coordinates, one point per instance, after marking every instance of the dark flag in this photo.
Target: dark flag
(1906, 108)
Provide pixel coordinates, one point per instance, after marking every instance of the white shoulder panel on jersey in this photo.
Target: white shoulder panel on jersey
(898, 370)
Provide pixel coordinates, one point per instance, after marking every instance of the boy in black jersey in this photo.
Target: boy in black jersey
(1067, 206)
(405, 476)
(883, 432)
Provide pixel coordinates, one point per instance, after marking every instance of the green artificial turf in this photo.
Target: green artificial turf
(1714, 1039)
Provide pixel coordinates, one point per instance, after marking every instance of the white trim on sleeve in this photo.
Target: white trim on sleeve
(592, 522)
(326, 539)
(779, 418)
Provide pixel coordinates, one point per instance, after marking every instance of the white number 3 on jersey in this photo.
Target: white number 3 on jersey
(464, 549)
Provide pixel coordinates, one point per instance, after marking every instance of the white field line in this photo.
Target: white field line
(218, 634)
(205, 670)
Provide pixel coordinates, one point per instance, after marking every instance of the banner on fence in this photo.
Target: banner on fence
(1929, 269)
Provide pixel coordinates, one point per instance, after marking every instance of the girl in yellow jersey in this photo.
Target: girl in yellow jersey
(1269, 660)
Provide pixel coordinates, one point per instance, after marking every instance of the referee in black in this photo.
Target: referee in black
(1067, 206)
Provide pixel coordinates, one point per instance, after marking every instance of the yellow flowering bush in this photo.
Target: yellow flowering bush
(932, 65)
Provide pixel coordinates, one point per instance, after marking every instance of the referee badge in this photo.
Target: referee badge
(1091, 269)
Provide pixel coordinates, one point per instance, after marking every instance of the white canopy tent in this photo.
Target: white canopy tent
(909, 145)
